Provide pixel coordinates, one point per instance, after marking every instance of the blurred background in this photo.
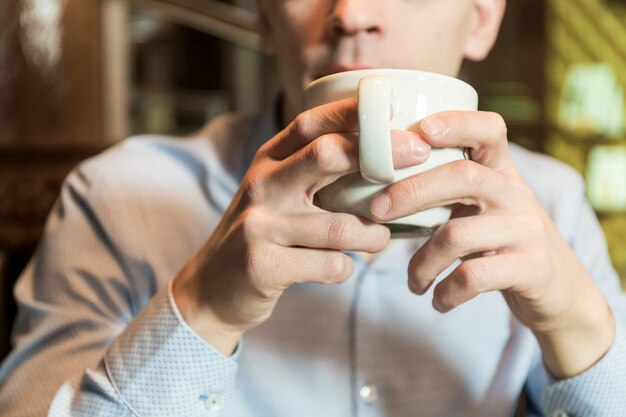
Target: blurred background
(77, 76)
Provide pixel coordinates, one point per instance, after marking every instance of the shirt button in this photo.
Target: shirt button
(213, 403)
(559, 413)
(368, 394)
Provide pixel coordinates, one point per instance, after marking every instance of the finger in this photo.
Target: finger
(333, 231)
(484, 133)
(331, 156)
(465, 236)
(336, 117)
(465, 182)
(304, 265)
(480, 275)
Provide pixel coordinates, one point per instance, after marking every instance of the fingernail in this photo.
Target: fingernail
(433, 126)
(380, 204)
(420, 147)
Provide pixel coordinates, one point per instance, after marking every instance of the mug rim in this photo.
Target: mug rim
(385, 71)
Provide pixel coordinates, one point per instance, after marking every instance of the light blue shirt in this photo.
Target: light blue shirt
(98, 333)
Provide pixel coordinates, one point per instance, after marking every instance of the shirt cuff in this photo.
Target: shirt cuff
(599, 391)
(159, 366)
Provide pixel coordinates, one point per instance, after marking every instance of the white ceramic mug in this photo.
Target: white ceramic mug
(389, 99)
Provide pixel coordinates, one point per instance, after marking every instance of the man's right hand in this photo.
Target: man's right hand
(273, 235)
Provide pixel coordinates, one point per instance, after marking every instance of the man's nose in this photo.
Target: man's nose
(350, 17)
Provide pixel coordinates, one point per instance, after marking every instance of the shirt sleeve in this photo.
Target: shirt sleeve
(96, 333)
(598, 392)
(156, 367)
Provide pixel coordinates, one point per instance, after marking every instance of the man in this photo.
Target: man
(221, 238)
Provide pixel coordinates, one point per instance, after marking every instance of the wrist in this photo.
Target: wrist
(584, 337)
(202, 320)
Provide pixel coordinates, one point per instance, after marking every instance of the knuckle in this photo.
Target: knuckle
(499, 124)
(255, 184)
(470, 172)
(408, 190)
(302, 125)
(252, 224)
(334, 267)
(470, 276)
(324, 152)
(382, 236)
(340, 231)
(453, 235)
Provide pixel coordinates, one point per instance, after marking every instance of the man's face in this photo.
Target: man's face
(313, 38)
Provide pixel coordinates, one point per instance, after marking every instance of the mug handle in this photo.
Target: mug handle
(375, 113)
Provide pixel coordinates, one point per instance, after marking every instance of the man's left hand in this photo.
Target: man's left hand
(507, 241)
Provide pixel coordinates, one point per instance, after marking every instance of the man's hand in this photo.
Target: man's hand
(507, 240)
(273, 236)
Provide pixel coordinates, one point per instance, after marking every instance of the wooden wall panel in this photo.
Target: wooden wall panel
(51, 75)
(50, 119)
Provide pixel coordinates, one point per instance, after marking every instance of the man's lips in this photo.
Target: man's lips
(341, 68)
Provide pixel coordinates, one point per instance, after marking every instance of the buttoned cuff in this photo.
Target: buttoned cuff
(160, 367)
(597, 392)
